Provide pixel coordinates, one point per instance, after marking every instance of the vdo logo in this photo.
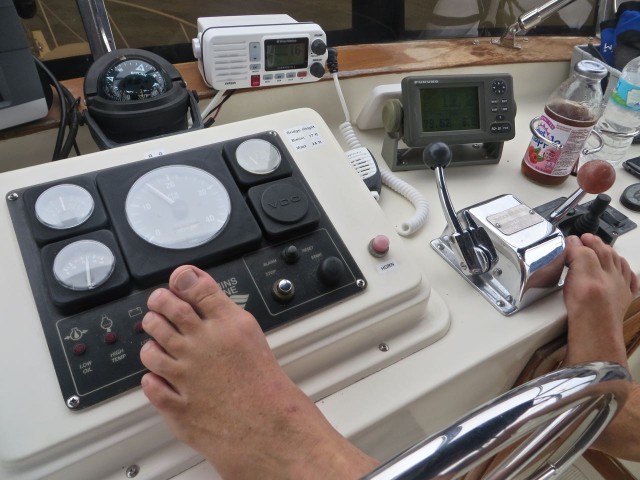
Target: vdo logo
(284, 202)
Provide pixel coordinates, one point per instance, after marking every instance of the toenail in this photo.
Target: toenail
(186, 279)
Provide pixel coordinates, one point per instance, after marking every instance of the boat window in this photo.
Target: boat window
(167, 27)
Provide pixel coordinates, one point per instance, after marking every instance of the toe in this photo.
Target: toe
(159, 392)
(164, 333)
(158, 361)
(197, 288)
(177, 311)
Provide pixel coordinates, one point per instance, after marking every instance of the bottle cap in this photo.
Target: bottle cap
(591, 69)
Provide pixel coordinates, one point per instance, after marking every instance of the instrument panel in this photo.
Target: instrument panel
(95, 246)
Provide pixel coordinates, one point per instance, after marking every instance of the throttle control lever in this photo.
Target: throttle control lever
(472, 244)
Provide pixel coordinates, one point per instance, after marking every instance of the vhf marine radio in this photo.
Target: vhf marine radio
(473, 114)
(258, 50)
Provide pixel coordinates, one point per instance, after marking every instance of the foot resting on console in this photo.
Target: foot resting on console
(221, 390)
(217, 384)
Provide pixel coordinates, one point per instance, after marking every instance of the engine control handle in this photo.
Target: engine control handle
(474, 247)
(594, 177)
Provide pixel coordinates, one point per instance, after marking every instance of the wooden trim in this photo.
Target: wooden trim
(374, 59)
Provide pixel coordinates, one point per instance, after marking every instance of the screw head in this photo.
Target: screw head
(132, 471)
(73, 401)
(360, 283)
(383, 347)
(12, 196)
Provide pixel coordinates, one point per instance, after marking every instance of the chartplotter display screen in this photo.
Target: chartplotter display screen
(449, 108)
(458, 109)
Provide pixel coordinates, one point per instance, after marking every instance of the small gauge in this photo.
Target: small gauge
(258, 156)
(64, 206)
(177, 207)
(83, 265)
(630, 198)
(133, 78)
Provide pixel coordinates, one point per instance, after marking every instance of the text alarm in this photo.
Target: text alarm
(258, 50)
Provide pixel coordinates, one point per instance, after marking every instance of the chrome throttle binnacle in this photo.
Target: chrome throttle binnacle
(503, 248)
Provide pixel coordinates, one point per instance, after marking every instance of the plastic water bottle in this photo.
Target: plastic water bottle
(621, 118)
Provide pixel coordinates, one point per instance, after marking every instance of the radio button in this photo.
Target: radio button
(267, 77)
(279, 76)
(291, 74)
(317, 70)
(254, 51)
(318, 47)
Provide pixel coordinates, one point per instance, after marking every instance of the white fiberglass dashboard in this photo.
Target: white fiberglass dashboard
(387, 364)
(89, 244)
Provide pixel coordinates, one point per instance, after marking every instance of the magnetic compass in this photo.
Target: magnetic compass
(630, 197)
(132, 95)
(133, 78)
(83, 265)
(64, 206)
(258, 156)
(177, 207)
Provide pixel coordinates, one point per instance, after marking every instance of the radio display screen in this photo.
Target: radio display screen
(449, 108)
(286, 53)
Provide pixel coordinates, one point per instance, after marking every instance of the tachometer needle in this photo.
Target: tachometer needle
(170, 201)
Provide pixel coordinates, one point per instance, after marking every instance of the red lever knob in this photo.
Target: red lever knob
(596, 176)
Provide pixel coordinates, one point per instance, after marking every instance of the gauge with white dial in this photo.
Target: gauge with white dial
(64, 206)
(258, 156)
(83, 265)
(177, 207)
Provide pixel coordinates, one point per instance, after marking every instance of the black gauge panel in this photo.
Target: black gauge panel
(96, 245)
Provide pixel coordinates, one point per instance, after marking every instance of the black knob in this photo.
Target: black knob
(317, 69)
(437, 154)
(589, 222)
(318, 47)
(330, 271)
(291, 254)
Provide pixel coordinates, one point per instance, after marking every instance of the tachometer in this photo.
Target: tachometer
(177, 207)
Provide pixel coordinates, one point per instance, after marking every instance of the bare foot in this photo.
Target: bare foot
(217, 384)
(597, 292)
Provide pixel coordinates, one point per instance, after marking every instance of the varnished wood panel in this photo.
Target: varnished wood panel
(377, 59)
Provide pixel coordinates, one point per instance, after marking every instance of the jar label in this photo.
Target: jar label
(558, 162)
(626, 95)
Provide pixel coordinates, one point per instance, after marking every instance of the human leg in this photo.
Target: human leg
(216, 382)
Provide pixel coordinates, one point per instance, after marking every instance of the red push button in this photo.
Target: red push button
(379, 246)
(138, 328)
(302, 73)
(255, 80)
(79, 349)
(110, 337)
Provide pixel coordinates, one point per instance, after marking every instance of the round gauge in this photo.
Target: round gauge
(64, 206)
(177, 207)
(131, 78)
(631, 197)
(83, 265)
(258, 156)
